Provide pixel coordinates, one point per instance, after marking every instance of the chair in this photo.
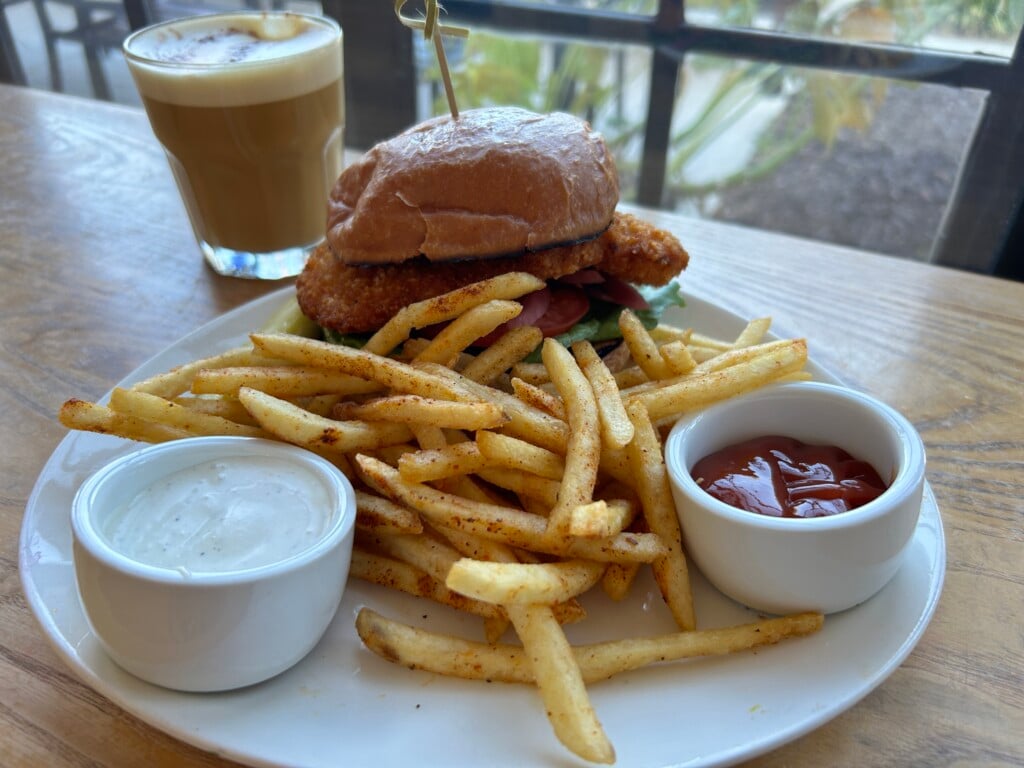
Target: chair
(99, 26)
(11, 70)
(1010, 263)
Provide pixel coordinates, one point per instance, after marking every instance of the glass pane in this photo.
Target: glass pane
(968, 26)
(818, 154)
(805, 152)
(607, 85)
(639, 7)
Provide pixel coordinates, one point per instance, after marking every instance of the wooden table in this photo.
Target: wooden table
(98, 271)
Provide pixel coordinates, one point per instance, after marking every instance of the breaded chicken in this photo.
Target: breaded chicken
(640, 253)
(355, 299)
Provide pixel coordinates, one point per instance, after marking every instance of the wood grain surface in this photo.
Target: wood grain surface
(99, 271)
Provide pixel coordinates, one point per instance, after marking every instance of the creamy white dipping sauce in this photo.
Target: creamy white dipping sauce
(223, 515)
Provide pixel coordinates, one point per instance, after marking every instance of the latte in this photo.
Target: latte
(250, 110)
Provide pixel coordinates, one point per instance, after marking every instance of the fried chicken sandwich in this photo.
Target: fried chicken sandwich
(453, 201)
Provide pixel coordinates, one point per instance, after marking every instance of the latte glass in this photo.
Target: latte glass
(250, 110)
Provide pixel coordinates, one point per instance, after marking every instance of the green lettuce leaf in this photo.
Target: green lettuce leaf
(356, 340)
(601, 323)
(660, 299)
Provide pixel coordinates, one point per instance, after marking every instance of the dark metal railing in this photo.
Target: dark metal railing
(987, 198)
(985, 204)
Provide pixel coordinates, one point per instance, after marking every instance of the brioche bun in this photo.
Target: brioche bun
(495, 182)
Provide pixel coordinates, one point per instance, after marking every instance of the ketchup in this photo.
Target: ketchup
(783, 477)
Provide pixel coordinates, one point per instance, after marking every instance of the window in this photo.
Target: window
(893, 125)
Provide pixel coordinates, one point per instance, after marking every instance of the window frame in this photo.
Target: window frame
(987, 195)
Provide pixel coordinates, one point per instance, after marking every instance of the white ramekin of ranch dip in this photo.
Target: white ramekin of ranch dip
(212, 563)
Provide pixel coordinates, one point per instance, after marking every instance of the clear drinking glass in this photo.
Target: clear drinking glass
(250, 110)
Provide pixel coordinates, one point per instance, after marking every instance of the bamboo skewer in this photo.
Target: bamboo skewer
(433, 30)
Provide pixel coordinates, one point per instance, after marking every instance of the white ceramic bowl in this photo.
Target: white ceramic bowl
(209, 631)
(782, 565)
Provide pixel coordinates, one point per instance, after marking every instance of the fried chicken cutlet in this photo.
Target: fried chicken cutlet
(356, 299)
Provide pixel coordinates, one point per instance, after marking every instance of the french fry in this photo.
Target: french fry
(522, 484)
(752, 333)
(294, 425)
(709, 342)
(478, 548)
(523, 583)
(147, 407)
(618, 579)
(531, 373)
(376, 514)
(449, 306)
(642, 347)
(731, 357)
(414, 409)
(429, 437)
(447, 655)
(92, 417)
(513, 453)
(583, 450)
(388, 572)
(391, 454)
(615, 464)
(339, 460)
(409, 349)
(560, 682)
(647, 462)
(461, 332)
(617, 358)
(666, 334)
(425, 552)
(630, 377)
(512, 347)
(689, 393)
(509, 526)
(616, 429)
(702, 354)
(539, 398)
(677, 357)
(321, 405)
(495, 627)
(394, 374)
(280, 381)
(425, 466)
(226, 407)
(600, 519)
(525, 421)
(178, 380)
(468, 487)
(796, 376)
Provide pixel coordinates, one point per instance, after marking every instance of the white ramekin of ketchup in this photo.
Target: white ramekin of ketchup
(212, 563)
(800, 496)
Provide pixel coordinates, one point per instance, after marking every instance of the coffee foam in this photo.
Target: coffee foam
(234, 59)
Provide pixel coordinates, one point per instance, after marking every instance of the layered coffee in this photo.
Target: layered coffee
(250, 110)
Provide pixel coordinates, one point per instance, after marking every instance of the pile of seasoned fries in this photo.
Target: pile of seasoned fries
(489, 484)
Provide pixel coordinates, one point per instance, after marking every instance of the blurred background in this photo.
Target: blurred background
(895, 126)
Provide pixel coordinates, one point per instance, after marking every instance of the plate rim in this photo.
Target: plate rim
(110, 689)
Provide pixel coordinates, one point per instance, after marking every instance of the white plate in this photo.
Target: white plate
(343, 705)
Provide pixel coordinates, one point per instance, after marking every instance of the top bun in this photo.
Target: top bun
(494, 182)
